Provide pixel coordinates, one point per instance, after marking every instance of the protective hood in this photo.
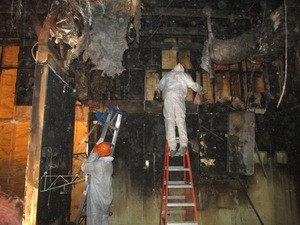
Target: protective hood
(178, 68)
(106, 158)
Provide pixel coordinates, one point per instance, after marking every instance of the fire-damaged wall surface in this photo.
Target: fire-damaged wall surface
(57, 151)
(221, 197)
(241, 143)
(170, 32)
(51, 137)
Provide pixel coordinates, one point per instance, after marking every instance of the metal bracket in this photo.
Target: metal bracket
(60, 181)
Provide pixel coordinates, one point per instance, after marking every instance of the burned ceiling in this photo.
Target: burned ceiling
(93, 35)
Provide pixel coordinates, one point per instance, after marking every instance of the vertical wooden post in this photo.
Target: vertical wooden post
(51, 136)
(34, 151)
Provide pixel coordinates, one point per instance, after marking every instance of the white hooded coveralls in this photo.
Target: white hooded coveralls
(100, 193)
(175, 84)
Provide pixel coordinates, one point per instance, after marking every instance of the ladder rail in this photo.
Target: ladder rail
(193, 188)
(185, 190)
(166, 187)
(105, 128)
(185, 186)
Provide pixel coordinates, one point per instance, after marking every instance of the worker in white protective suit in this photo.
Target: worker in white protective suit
(175, 84)
(100, 193)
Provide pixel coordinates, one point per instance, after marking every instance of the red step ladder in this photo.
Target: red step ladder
(178, 200)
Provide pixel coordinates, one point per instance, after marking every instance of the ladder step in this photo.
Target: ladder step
(177, 154)
(179, 186)
(178, 182)
(183, 204)
(178, 168)
(113, 127)
(175, 197)
(174, 212)
(182, 223)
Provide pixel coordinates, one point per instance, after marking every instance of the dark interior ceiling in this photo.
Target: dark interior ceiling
(157, 21)
(162, 18)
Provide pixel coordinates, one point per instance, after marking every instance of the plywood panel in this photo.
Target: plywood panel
(6, 130)
(10, 56)
(169, 59)
(23, 113)
(20, 157)
(80, 134)
(222, 85)
(259, 85)
(151, 80)
(7, 92)
(185, 58)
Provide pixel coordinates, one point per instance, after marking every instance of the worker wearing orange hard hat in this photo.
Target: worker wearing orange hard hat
(100, 194)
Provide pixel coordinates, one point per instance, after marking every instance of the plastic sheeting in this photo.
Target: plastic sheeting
(104, 44)
(227, 51)
(261, 44)
(232, 50)
(97, 29)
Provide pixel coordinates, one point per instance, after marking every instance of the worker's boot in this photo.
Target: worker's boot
(182, 150)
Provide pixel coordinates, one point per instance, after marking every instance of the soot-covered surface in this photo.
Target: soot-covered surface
(56, 153)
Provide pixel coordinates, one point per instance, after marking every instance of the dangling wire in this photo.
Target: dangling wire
(66, 84)
(286, 52)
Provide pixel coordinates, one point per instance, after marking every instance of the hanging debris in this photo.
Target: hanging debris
(97, 31)
(233, 50)
(261, 44)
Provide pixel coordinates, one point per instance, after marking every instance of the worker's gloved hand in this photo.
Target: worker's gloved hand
(198, 100)
(202, 92)
(157, 96)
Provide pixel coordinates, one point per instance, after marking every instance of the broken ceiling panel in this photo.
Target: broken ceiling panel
(105, 42)
(97, 29)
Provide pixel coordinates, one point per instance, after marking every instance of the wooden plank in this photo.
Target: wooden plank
(20, 157)
(169, 57)
(23, 113)
(6, 129)
(258, 84)
(80, 134)
(151, 80)
(196, 12)
(51, 136)
(10, 56)
(193, 46)
(222, 85)
(7, 88)
(7, 91)
(81, 112)
(34, 151)
(174, 31)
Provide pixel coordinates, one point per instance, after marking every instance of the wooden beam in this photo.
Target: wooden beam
(41, 78)
(34, 151)
(17, 42)
(181, 12)
(141, 106)
(176, 31)
(174, 45)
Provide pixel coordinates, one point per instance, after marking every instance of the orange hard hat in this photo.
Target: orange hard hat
(103, 148)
